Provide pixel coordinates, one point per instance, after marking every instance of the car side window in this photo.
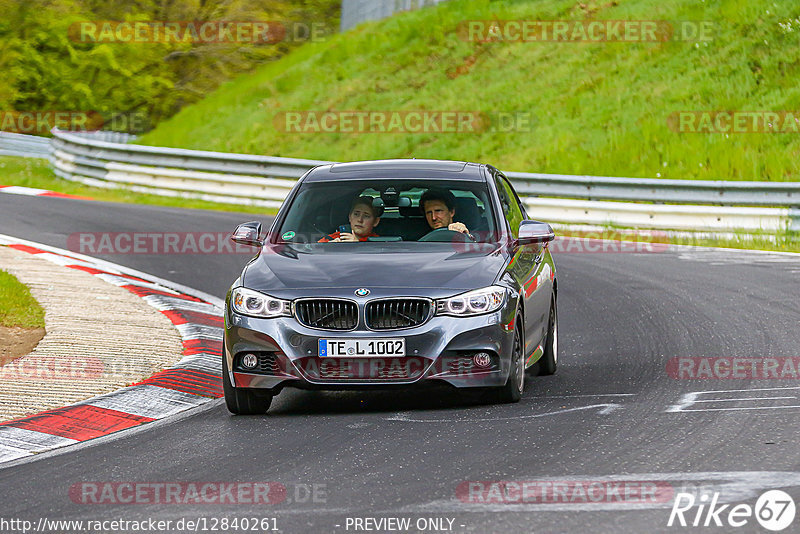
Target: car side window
(511, 207)
(516, 197)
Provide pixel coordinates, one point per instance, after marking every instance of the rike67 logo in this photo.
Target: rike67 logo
(774, 510)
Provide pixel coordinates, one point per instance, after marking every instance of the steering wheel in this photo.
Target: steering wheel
(445, 235)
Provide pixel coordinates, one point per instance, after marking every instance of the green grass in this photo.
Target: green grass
(31, 172)
(598, 108)
(17, 307)
(757, 242)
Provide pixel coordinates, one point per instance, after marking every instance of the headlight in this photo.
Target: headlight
(248, 302)
(475, 302)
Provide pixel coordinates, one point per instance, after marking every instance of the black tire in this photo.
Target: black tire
(548, 363)
(512, 390)
(241, 401)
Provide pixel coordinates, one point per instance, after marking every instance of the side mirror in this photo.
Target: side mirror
(248, 234)
(531, 232)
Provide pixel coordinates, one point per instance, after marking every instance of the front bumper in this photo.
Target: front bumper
(439, 350)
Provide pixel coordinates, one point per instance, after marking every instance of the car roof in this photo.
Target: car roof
(429, 169)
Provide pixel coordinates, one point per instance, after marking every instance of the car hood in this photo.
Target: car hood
(340, 265)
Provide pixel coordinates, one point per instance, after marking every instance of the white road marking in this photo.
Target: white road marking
(743, 408)
(31, 440)
(739, 257)
(692, 398)
(199, 331)
(20, 190)
(17, 443)
(211, 363)
(65, 261)
(578, 396)
(123, 281)
(743, 399)
(8, 453)
(163, 303)
(405, 417)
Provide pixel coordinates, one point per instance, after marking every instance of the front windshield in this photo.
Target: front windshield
(384, 211)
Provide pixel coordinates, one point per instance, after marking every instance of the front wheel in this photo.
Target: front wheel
(240, 401)
(512, 390)
(549, 360)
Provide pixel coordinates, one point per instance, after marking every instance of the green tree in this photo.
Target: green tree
(45, 67)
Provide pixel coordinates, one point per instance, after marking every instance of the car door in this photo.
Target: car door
(526, 267)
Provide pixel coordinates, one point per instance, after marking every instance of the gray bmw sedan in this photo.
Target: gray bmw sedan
(392, 273)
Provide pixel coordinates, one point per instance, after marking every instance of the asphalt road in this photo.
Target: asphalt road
(611, 413)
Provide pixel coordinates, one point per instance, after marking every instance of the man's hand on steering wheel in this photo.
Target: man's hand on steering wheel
(458, 227)
(462, 228)
(439, 235)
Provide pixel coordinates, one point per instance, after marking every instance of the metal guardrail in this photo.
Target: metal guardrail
(108, 136)
(723, 193)
(357, 11)
(34, 146)
(265, 181)
(663, 216)
(214, 176)
(30, 146)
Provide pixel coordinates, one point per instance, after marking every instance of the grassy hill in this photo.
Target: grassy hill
(598, 108)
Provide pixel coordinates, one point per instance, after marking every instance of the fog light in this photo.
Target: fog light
(250, 361)
(482, 359)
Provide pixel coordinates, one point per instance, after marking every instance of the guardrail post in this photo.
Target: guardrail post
(794, 219)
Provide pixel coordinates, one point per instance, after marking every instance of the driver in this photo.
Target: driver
(363, 218)
(439, 208)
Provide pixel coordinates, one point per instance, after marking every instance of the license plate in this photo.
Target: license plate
(362, 347)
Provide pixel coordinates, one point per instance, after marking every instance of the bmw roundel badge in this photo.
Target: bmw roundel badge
(362, 292)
